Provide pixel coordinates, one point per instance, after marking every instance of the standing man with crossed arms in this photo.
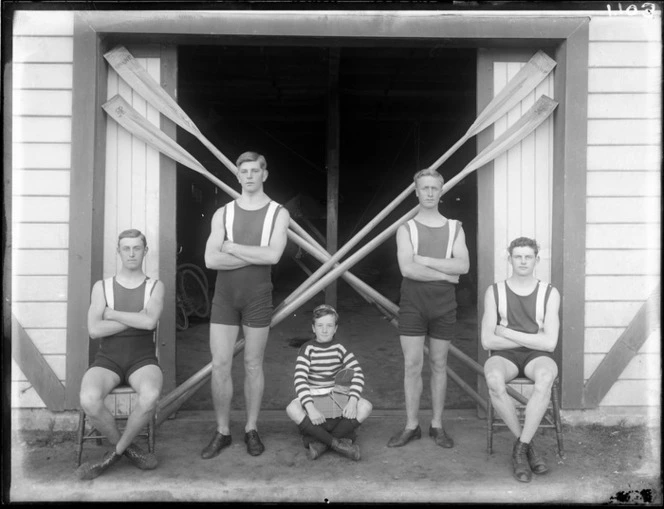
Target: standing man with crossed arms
(520, 325)
(432, 253)
(248, 236)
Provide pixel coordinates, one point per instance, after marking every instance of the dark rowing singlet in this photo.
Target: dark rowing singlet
(523, 313)
(434, 241)
(251, 228)
(133, 300)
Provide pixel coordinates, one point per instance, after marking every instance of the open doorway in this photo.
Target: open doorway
(400, 109)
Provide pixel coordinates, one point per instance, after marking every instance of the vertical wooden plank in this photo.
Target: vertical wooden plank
(514, 210)
(86, 169)
(332, 165)
(138, 164)
(167, 234)
(500, 191)
(485, 207)
(529, 202)
(111, 181)
(152, 209)
(569, 207)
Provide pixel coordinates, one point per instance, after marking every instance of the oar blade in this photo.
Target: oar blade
(528, 122)
(125, 115)
(522, 84)
(130, 70)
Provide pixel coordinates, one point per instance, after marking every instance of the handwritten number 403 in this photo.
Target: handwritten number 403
(646, 9)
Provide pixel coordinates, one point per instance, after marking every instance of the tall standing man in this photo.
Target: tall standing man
(520, 326)
(432, 253)
(124, 312)
(248, 236)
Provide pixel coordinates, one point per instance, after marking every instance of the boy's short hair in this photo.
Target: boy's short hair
(524, 242)
(324, 310)
(428, 173)
(132, 234)
(251, 156)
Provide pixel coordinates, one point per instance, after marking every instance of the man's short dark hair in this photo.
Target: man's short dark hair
(252, 156)
(324, 310)
(132, 234)
(524, 242)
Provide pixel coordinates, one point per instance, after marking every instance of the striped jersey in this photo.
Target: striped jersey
(523, 313)
(434, 241)
(318, 363)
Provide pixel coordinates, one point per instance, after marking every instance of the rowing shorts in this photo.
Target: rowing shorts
(520, 358)
(427, 309)
(125, 355)
(241, 305)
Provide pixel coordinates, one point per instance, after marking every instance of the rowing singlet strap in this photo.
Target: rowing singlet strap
(109, 294)
(415, 239)
(267, 222)
(540, 309)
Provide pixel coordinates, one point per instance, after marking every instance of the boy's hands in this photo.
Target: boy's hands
(315, 416)
(350, 410)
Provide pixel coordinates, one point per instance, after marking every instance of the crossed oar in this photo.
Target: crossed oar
(523, 83)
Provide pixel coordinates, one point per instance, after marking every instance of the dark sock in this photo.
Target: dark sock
(318, 432)
(345, 428)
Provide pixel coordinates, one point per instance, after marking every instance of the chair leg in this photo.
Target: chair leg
(555, 400)
(80, 433)
(489, 427)
(151, 431)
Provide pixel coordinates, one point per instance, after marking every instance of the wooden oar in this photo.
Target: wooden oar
(123, 113)
(523, 83)
(130, 70)
(519, 130)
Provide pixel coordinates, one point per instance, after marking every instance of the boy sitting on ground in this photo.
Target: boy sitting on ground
(326, 417)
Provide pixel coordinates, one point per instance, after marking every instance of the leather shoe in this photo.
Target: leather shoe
(143, 460)
(215, 446)
(405, 436)
(346, 448)
(254, 445)
(536, 462)
(316, 449)
(440, 437)
(520, 466)
(88, 471)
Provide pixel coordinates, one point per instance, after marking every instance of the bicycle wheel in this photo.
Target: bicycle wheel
(194, 294)
(181, 318)
(199, 271)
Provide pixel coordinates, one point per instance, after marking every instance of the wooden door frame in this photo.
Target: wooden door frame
(566, 35)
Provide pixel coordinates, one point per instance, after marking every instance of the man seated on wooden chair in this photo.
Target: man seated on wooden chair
(124, 312)
(520, 326)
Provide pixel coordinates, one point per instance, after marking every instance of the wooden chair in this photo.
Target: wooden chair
(551, 418)
(120, 402)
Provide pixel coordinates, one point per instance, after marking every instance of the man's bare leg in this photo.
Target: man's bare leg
(147, 382)
(413, 354)
(97, 383)
(498, 371)
(542, 371)
(438, 352)
(254, 378)
(222, 344)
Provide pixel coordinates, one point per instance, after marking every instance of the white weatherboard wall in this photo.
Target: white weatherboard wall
(523, 179)
(132, 178)
(623, 232)
(42, 65)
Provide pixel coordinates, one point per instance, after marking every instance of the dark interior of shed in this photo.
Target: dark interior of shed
(400, 108)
